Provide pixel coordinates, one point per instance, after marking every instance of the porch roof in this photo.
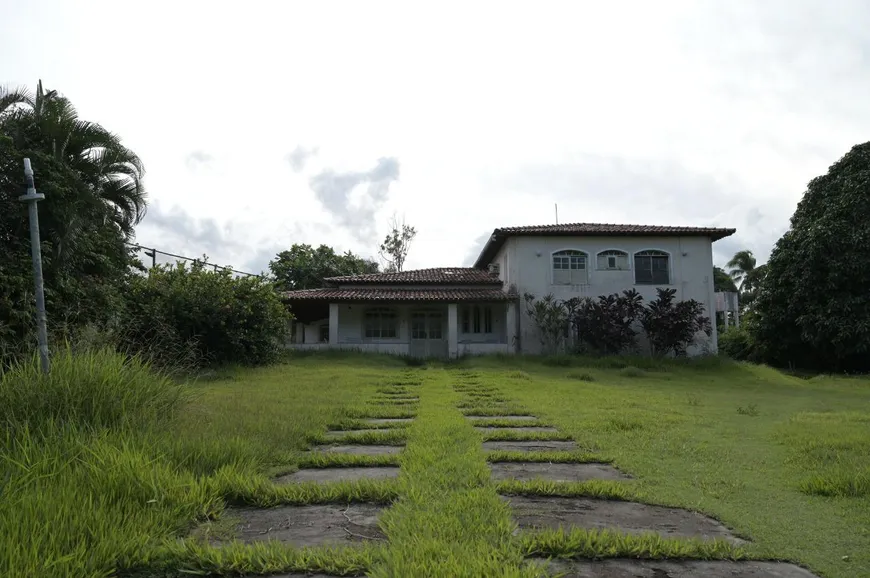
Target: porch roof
(382, 295)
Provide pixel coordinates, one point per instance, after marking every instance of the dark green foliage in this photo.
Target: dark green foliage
(304, 267)
(737, 343)
(813, 304)
(722, 281)
(229, 320)
(85, 261)
(606, 325)
(671, 325)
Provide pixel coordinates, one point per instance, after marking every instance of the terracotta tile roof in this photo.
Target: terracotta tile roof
(405, 295)
(594, 230)
(437, 276)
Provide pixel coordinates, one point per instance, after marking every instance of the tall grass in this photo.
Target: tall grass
(92, 389)
(83, 487)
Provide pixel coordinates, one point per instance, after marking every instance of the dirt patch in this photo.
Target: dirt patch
(504, 417)
(361, 450)
(517, 428)
(530, 446)
(383, 420)
(340, 433)
(527, 471)
(339, 474)
(671, 569)
(308, 525)
(537, 512)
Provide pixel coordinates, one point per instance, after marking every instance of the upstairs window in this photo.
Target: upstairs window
(569, 268)
(381, 323)
(613, 260)
(652, 268)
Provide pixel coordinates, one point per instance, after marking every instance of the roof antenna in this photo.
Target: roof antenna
(557, 212)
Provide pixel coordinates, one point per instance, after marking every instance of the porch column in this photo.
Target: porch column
(452, 330)
(333, 323)
(511, 321)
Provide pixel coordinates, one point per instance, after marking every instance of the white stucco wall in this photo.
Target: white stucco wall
(527, 262)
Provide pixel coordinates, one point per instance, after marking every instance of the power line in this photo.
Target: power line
(152, 252)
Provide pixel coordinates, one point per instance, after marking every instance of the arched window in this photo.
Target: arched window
(569, 267)
(381, 323)
(613, 260)
(652, 267)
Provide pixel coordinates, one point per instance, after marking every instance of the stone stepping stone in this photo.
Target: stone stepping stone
(383, 420)
(360, 450)
(528, 471)
(618, 568)
(504, 417)
(341, 433)
(302, 526)
(539, 512)
(516, 428)
(530, 446)
(339, 474)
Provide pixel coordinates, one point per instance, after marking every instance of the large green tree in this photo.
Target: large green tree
(813, 305)
(85, 260)
(722, 281)
(108, 172)
(305, 267)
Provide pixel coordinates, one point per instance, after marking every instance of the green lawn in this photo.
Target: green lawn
(783, 461)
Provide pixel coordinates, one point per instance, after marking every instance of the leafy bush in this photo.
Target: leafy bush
(229, 320)
(671, 326)
(737, 343)
(606, 325)
(551, 317)
(631, 371)
(91, 390)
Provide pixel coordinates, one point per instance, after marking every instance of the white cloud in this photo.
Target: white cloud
(682, 112)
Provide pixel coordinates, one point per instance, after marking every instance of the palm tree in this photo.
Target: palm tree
(111, 172)
(741, 266)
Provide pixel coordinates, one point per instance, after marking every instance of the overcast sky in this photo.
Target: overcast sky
(262, 124)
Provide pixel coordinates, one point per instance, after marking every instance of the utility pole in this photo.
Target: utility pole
(31, 198)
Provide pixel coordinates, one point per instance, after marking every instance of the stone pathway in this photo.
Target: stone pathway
(554, 512)
(337, 524)
(619, 568)
(301, 526)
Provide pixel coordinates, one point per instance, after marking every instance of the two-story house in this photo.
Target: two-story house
(454, 311)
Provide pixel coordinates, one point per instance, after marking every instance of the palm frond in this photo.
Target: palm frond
(10, 97)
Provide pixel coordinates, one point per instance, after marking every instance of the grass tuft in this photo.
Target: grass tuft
(259, 491)
(546, 457)
(599, 489)
(514, 435)
(338, 460)
(582, 376)
(579, 543)
(387, 437)
(632, 372)
(844, 482)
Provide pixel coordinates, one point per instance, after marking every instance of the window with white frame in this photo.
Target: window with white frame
(613, 260)
(477, 319)
(569, 268)
(652, 268)
(381, 323)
